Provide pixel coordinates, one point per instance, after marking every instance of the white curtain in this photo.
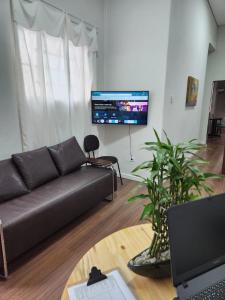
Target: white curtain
(56, 71)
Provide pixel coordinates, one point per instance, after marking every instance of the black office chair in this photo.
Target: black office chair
(91, 144)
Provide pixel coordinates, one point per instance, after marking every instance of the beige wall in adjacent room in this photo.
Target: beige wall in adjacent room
(215, 72)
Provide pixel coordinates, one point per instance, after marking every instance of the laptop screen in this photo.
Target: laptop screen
(197, 237)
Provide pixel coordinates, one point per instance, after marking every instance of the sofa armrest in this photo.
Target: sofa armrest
(3, 253)
(101, 163)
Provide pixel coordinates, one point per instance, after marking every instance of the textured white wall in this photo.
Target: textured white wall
(136, 41)
(9, 123)
(133, 38)
(156, 45)
(192, 29)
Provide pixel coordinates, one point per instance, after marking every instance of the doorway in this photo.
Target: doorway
(216, 120)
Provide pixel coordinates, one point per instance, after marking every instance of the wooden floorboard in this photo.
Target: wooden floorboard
(43, 272)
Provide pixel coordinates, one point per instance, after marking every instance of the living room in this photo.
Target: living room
(89, 91)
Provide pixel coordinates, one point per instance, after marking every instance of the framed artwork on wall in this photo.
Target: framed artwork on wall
(192, 91)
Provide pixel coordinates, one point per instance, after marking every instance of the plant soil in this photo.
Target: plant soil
(145, 259)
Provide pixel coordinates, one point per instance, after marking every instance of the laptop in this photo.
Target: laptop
(197, 245)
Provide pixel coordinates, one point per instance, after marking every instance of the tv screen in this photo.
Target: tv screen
(122, 108)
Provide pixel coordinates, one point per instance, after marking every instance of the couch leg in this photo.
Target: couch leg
(3, 254)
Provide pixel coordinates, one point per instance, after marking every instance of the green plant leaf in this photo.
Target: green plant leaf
(213, 176)
(147, 212)
(207, 188)
(150, 143)
(168, 140)
(191, 141)
(138, 197)
(199, 162)
(141, 177)
(173, 175)
(157, 137)
(144, 165)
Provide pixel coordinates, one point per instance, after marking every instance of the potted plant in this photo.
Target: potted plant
(174, 176)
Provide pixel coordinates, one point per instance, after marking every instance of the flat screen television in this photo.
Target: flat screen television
(120, 108)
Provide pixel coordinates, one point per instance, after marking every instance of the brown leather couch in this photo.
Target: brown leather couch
(43, 190)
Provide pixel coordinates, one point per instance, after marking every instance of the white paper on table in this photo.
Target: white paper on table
(112, 288)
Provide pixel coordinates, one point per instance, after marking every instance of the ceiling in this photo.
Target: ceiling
(218, 8)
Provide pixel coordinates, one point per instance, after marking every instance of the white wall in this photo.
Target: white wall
(215, 71)
(192, 29)
(9, 124)
(132, 55)
(156, 45)
(136, 41)
(10, 140)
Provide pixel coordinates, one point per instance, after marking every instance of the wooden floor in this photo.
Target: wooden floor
(43, 272)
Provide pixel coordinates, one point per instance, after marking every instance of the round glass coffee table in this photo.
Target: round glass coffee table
(113, 252)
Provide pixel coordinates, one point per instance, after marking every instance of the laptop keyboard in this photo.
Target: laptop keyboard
(216, 291)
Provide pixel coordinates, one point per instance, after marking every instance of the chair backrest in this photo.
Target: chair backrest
(91, 143)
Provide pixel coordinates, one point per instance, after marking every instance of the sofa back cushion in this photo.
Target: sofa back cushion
(36, 167)
(11, 184)
(68, 156)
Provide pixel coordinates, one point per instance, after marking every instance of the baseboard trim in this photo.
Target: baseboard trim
(131, 177)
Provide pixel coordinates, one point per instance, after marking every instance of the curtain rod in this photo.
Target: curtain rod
(89, 25)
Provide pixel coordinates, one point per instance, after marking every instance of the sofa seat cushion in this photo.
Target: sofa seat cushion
(31, 218)
(36, 167)
(68, 156)
(11, 184)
